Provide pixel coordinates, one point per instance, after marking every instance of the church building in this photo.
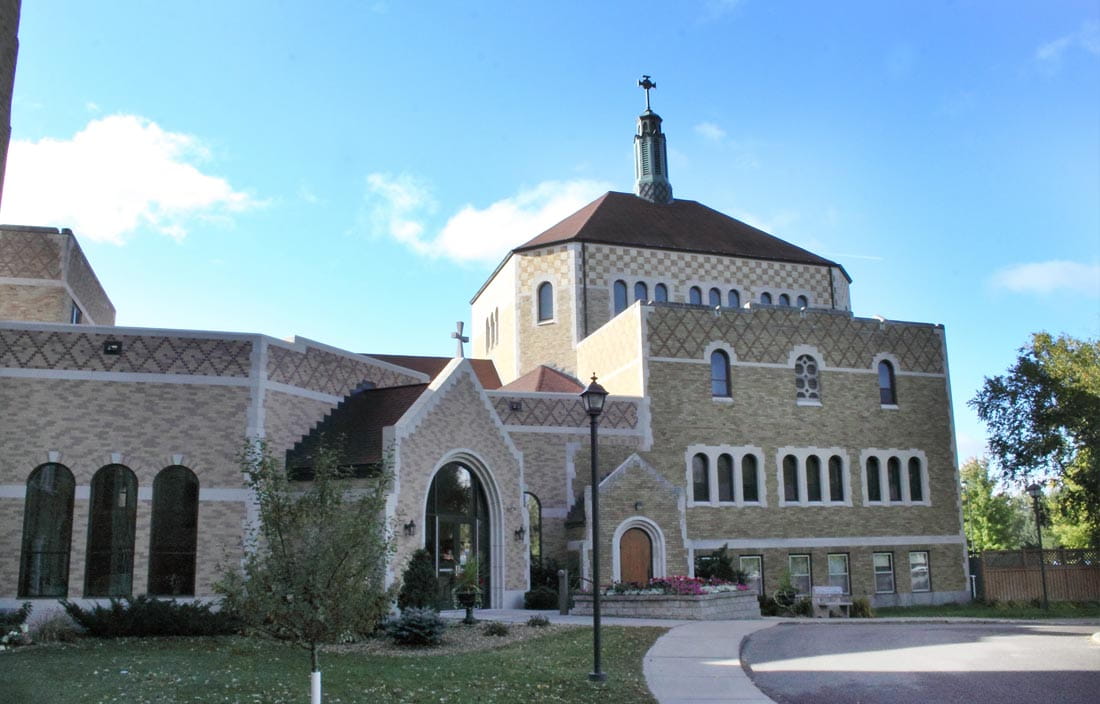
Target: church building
(750, 409)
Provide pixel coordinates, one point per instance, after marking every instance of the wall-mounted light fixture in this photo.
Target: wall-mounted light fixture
(112, 347)
(514, 405)
(520, 532)
(410, 528)
(639, 505)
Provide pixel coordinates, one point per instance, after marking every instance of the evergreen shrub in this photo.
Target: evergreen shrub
(145, 616)
(419, 585)
(541, 598)
(417, 627)
(538, 622)
(495, 628)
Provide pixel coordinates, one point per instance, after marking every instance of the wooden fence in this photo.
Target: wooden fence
(1015, 575)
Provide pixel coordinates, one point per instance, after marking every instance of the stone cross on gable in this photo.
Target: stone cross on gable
(458, 336)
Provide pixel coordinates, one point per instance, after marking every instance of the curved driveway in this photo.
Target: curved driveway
(925, 662)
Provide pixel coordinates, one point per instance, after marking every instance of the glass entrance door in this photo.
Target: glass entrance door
(457, 529)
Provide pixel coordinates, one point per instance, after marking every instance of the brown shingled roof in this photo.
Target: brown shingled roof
(626, 220)
(484, 368)
(543, 378)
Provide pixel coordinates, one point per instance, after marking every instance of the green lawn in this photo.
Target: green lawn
(552, 668)
(1011, 610)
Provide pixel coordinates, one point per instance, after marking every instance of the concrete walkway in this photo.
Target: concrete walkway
(696, 661)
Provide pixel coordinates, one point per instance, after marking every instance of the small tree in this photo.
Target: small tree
(419, 585)
(992, 520)
(314, 566)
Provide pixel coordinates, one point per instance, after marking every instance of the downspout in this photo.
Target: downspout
(584, 286)
(832, 289)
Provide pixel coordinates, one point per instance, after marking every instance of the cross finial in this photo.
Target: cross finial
(457, 335)
(647, 84)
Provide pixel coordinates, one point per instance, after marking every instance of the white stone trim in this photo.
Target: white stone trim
(775, 365)
(544, 278)
(883, 455)
(802, 455)
(572, 430)
(835, 542)
(130, 377)
(656, 542)
(738, 454)
(83, 491)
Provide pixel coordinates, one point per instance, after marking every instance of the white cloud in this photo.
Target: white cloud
(1087, 38)
(711, 131)
(117, 175)
(713, 9)
(1048, 277)
(401, 207)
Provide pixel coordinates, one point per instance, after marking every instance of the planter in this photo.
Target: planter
(722, 606)
(467, 600)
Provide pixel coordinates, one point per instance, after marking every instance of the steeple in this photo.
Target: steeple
(650, 156)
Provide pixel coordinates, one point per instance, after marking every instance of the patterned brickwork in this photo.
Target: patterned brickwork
(559, 412)
(547, 343)
(328, 372)
(287, 418)
(38, 303)
(769, 334)
(614, 354)
(82, 280)
(30, 254)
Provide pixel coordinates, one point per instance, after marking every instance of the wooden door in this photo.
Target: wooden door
(636, 556)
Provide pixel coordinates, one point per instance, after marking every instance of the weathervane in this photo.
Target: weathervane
(458, 336)
(647, 84)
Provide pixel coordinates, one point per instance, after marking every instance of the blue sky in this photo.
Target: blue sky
(352, 171)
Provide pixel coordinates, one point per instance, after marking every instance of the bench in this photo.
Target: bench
(827, 599)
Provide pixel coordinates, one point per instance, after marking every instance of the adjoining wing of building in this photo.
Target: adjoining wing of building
(750, 408)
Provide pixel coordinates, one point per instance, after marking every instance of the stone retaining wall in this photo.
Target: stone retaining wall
(704, 607)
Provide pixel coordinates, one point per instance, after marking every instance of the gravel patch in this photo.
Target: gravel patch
(458, 638)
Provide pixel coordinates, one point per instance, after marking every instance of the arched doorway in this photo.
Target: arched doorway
(636, 556)
(457, 528)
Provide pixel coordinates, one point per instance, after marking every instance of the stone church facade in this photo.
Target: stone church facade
(750, 409)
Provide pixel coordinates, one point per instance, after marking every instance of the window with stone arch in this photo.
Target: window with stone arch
(641, 292)
(887, 391)
(47, 532)
(109, 568)
(766, 298)
(714, 297)
(619, 295)
(807, 383)
(784, 299)
(695, 296)
(660, 293)
(700, 478)
(174, 538)
(802, 302)
(720, 374)
(534, 520)
(546, 302)
(734, 298)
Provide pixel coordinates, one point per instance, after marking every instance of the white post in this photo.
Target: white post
(315, 687)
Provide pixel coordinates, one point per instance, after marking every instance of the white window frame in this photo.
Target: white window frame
(801, 454)
(758, 581)
(553, 300)
(887, 357)
(925, 568)
(847, 573)
(712, 453)
(903, 456)
(875, 567)
(799, 576)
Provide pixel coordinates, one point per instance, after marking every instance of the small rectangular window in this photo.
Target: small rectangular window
(884, 572)
(838, 572)
(76, 316)
(753, 567)
(918, 571)
(799, 566)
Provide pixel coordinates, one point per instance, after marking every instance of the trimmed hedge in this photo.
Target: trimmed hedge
(145, 616)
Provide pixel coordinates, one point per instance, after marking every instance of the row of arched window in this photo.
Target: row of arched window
(492, 329)
(894, 479)
(621, 298)
(109, 555)
(807, 379)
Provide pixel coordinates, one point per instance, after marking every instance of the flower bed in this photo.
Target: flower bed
(686, 598)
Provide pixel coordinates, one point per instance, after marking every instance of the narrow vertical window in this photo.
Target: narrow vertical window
(753, 567)
(802, 302)
(790, 478)
(620, 296)
(801, 578)
(76, 316)
(838, 572)
(641, 292)
(734, 298)
(836, 479)
(884, 572)
(887, 393)
(488, 338)
(918, 571)
(766, 298)
(110, 558)
(720, 374)
(546, 302)
(784, 299)
(750, 489)
(813, 478)
(714, 297)
(534, 520)
(700, 478)
(660, 293)
(695, 296)
(806, 383)
(725, 478)
(47, 532)
(496, 326)
(174, 538)
(916, 483)
(874, 480)
(893, 478)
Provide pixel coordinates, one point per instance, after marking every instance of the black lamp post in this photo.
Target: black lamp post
(594, 397)
(1036, 491)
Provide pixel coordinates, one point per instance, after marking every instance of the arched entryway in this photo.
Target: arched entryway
(458, 528)
(636, 556)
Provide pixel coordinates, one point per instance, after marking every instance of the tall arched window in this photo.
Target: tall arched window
(534, 520)
(47, 532)
(660, 293)
(725, 477)
(893, 478)
(700, 477)
(874, 480)
(916, 483)
(720, 374)
(790, 478)
(784, 299)
(695, 296)
(110, 558)
(641, 292)
(766, 298)
(836, 478)
(174, 539)
(806, 383)
(714, 297)
(620, 296)
(750, 483)
(813, 478)
(734, 298)
(457, 529)
(802, 302)
(887, 393)
(546, 301)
